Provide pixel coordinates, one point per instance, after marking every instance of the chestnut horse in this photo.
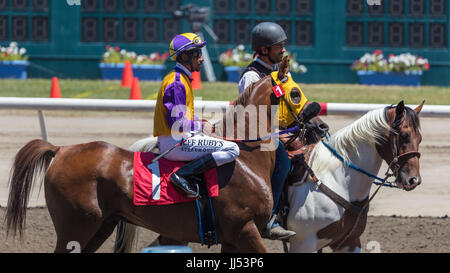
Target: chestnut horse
(391, 134)
(89, 189)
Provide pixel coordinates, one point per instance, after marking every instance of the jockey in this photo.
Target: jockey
(268, 40)
(174, 119)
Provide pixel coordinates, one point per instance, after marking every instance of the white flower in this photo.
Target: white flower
(241, 47)
(303, 69)
(236, 58)
(13, 44)
(222, 58)
(22, 51)
(123, 52)
(248, 57)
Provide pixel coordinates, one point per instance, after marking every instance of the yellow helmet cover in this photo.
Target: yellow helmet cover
(284, 115)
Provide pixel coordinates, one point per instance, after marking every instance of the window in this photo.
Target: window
(130, 21)
(397, 24)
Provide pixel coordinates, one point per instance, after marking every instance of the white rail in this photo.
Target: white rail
(210, 106)
(41, 104)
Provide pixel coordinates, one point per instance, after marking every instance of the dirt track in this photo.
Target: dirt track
(391, 234)
(430, 201)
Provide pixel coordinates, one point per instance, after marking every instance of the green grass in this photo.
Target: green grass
(223, 91)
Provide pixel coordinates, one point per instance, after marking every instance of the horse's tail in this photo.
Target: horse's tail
(32, 160)
(126, 237)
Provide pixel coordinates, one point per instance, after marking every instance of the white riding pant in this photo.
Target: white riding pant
(197, 146)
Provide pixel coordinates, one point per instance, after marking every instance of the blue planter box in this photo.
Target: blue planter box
(145, 72)
(391, 78)
(14, 69)
(233, 73)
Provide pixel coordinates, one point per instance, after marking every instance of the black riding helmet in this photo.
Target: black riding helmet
(267, 34)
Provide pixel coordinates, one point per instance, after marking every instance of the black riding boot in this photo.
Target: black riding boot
(181, 177)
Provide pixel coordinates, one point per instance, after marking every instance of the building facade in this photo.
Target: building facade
(66, 38)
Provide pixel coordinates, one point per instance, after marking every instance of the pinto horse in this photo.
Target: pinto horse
(391, 134)
(89, 189)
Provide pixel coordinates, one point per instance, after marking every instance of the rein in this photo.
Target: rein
(382, 182)
(277, 134)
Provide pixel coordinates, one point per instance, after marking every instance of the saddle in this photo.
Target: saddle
(152, 187)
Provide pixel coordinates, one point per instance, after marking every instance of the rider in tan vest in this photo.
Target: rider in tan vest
(268, 40)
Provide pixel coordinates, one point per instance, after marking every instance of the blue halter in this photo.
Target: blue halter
(351, 165)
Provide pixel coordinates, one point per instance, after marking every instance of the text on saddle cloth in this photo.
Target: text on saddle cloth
(152, 181)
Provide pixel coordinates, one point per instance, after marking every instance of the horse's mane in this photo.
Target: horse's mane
(369, 129)
(243, 98)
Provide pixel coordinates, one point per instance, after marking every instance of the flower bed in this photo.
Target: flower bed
(235, 60)
(145, 67)
(13, 62)
(404, 69)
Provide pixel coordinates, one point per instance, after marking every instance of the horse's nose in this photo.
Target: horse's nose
(323, 127)
(414, 181)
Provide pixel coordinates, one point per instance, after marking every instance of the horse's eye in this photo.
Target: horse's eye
(295, 95)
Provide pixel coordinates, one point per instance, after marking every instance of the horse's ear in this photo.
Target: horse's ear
(400, 109)
(419, 107)
(284, 68)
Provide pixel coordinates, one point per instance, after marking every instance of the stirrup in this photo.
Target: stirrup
(270, 232)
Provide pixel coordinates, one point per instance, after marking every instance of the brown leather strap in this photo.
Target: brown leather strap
(331, 194)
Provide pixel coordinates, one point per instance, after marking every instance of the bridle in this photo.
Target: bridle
(301, 125)
(395, 163)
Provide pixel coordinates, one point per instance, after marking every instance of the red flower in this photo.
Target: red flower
(427, 66)
(378, 52)
(117, 48)
(164, 56)
(391, 55)
(155, 56)
(108, 47)
(229, 53)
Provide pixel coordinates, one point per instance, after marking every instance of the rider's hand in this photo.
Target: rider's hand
(207, 127)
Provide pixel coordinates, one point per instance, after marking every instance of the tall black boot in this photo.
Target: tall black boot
(181, 177)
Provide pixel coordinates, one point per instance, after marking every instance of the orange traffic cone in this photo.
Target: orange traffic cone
(127, 75)
(55, 91)
(135, 93)
(196, 81)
